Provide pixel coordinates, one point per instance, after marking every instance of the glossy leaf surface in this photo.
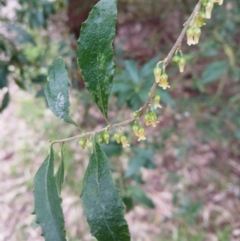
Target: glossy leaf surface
(47, 202)
(95, 52)
(101, 200)
(57, 90)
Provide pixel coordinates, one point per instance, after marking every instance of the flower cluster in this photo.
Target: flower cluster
(139, 131)
(194, 30)
(121, 138)
(161, 78)
(150, 118)
(180, 60)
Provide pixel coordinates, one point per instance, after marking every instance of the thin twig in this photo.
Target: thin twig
(152, 91)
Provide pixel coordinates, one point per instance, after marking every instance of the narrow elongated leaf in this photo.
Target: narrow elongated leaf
(60, 173)
(101, 200)
(4, 94)
(47, 203)
(57, 90)
(95, 52)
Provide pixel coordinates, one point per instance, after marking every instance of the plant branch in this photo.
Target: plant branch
(143, 109)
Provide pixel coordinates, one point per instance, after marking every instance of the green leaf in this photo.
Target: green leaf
(57, 90)
(131, 68)
(95, 52)
(4, 85)
(5, 101)
(60, 173)
(47, 203)
(101, 200)
(214, 71)
(139, 196)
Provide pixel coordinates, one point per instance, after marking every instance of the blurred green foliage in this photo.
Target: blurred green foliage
(25, 52)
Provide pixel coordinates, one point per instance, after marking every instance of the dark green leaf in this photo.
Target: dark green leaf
(4, 85)
(112, 149)
(128, 201)
(5, 101)
(3, 77)
(139, 196)
(214, 71)
(60, 173)
(101, 200)
(57, 90)
(95, 52)
(47, 203)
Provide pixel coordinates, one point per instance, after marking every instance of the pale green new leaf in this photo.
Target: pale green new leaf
(47, 203)
(101, 200)
(95, 52)
(57, 90)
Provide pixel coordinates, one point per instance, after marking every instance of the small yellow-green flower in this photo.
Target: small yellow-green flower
(100, 139)
(190, 35)
(83, 142)
(90, 144)
(164, 81)
(196, 34)
(156, 102)
(135, 128)
(141, 134)
(147, 119)
(117, 137)
(124, 141)
(201, 19)
(153, 119)
(209, 8)
(106, 137)
(181, 64)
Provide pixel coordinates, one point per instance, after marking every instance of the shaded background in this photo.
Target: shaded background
(183, 183)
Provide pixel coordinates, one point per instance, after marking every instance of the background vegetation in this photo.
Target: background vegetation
(183, 182)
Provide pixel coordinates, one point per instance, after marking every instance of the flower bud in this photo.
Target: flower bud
(209, 8)
(82, 142)
(100, 139)
(90, 144)
(176, 59)
(157, 73)
(106, 137)
(181, 64)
